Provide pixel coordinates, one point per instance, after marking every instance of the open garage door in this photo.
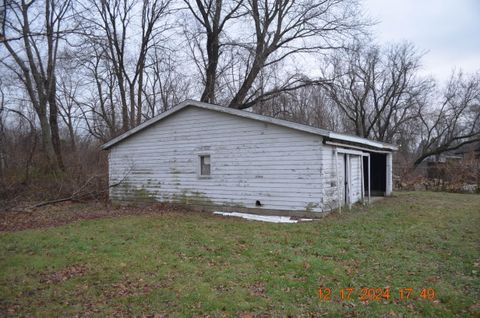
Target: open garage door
(378, 174)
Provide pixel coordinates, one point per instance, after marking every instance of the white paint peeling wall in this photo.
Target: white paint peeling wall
(330, 181)
(250, 160)
(332, 194)
(356, 179)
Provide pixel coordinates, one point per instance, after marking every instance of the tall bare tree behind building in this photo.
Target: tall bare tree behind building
(32, 35)
(253, 36)
(378, 89)
(284, 29)
(122, 33)
(213, 17)
(454, 121)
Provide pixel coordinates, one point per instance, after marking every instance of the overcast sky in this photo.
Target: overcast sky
(447, 30)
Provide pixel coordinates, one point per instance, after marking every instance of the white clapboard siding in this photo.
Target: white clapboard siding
(333, 194)
(356, 179)
(283, 168)
(341, 177)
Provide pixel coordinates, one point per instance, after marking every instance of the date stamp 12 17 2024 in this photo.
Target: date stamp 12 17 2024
(375, 294)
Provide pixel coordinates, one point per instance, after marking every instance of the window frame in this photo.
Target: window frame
(199, 166)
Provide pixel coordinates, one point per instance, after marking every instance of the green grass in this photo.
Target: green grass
(198, 264)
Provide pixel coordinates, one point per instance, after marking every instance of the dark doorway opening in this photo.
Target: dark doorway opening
(378, 174)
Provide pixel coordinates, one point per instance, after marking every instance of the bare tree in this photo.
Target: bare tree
(69, 87)
(283, 29)
(212, 15)
(99, 109)
(307, 105)
(164, 85)
(378, 89)
(31, 142)
(111, 26)
(18, 135)
(456, 122)
(32, 34)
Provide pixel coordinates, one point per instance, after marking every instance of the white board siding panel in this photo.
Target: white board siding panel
(333, 194)
(250, 161)
(330, 197)
(341, 177)
(356, 179)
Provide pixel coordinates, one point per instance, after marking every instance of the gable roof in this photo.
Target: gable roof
(245, 114)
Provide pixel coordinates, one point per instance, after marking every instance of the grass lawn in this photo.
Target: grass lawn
(180, 264)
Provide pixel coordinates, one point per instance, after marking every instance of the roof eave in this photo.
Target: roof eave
(363, 141)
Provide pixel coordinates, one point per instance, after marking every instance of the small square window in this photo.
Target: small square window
(204, 165)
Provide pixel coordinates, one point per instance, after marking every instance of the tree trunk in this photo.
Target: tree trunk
(131, 89)
(47, 145)
(239, 98)
(56, 136)
(208, 95)
(53, 119)
(123, 96)
(72, 136)
(139, 98)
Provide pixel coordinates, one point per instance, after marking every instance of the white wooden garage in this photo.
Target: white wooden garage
(211, 156)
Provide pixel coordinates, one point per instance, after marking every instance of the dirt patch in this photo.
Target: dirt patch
(63, 274)
(258, 289)
(130, 288)
(68, 212)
